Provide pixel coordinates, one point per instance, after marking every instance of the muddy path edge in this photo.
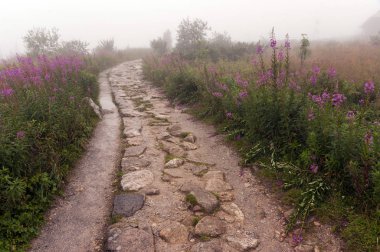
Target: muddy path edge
(77, 219)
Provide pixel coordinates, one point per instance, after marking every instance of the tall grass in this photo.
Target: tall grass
(44, 125)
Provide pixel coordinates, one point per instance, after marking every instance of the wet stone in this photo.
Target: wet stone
(210, 226)
(127, 204)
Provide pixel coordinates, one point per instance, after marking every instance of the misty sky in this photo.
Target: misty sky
(134, 23)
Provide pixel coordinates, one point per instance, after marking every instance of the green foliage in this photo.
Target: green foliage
(55, 131)
(190, 198)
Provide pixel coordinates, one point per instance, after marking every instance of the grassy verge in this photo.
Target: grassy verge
(314, 135)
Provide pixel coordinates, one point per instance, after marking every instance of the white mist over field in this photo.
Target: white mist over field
(135, 23)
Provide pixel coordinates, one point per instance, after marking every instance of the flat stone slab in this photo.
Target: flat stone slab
(199, 170)
(174, 232)
(217, 185)
(134, 163)
(210, 226)
(189, 146)
(173, 149)
(127, 204)
(136, 180)
(242, 242)
(134, 151)
(131, 239)
(214, 175)
(177, 173)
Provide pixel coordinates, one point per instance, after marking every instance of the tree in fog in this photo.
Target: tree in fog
(41, 41)
(191, 40)
(167, 37)
(74, 47)
(105, 46)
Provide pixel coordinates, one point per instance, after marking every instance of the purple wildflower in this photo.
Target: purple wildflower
(297, 238)
(369, 87)
(350, 115)
(331, 72)
(314, 168)
(273, 42)
(310, 116)
(368, 138)
(6, 92)
(316, 69)
(287, 43)
(259, 49)
(317, 99)
(313, 79)
(217, 94)
(338, 99)
(20, 134)
(240, 81)
(281, 56)
(229, 115)
(243, 94)
(222, 86)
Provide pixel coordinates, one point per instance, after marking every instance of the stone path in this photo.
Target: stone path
(181, 188)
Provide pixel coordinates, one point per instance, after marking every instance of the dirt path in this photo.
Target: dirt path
(78, 219)
(181, 187)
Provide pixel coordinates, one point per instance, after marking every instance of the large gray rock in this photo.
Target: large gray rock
(136, 180)
(127, 204)
(242, 242)
(174, 232)
(210, 226)
(130, 239)
(206, 200)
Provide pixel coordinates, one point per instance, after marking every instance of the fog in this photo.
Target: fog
(135, 23)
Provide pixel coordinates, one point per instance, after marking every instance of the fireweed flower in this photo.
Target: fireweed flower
(222, 86)
(287, 43)
(316, 70)
(229, 115)
(240, 81)
(6, 92)
(217, 94)
(368, 138)
(313, 168)
(317, 99)
(350, 115)
(338, 99)
(313, 80)
(361, 102)
(20, 134)
(243, 94)
(259, 49)
(311, 115)
(273, 42)
(331, 72)
(281, 56)
(325, 96)
(369, 87)
(297, 238)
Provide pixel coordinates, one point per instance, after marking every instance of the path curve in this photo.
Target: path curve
(77, 220)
